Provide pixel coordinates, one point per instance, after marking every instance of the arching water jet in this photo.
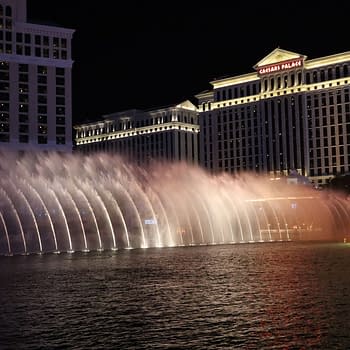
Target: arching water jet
(109, 203)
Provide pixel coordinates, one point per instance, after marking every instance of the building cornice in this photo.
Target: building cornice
(44, 29)
(204, 94)
(331, 84)
(328, 60)
(240, 79)
(151, 129)
(308, 64)
(36, 60)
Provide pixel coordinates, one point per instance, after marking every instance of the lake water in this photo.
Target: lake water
(291, 295)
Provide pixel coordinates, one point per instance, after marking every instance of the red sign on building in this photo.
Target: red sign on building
(281, 66)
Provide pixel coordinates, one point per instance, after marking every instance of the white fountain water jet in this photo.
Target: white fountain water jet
(185, 206)
(190, 225)
(169, 203)
(287, 229)
(46, 212)
(227, 209)
(266, 219)
(194, 209)
(228, 183)
(97, 190)
(345, 204)
(71, 199)
(268, 225)
(176, 202)
(115, 192)
(236, 216)
(154, 216)
(70, 250)
(277, 220)
(214, 207)
(92, 215)
(280, 218)
(245, 211)
(33, 217)
(108, 184)
(170, 241)
(158, 243)
(228, 220)
(131, 201)
(345, 212)
(107, 216)
(149, 204)
(181, 201)
(203, 205)
(6, 234)
(85, 249)
(18, 219)
(258, 221)
(211, 205)
(120, 214)
(222, 220)
(340, 217)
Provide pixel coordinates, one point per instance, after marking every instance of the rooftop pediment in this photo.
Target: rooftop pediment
(278, 55)
(187, 105)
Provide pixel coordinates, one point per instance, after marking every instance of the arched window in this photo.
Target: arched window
(8, 11)
(254, 89)
(337, 72)
(299, 78)
(292, 80)
(330, 73)
(346, 70)
(323, 75)
(307, 78)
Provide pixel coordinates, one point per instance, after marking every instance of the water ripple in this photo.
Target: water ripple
(261, 296)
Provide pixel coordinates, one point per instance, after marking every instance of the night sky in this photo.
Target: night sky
(144, 55)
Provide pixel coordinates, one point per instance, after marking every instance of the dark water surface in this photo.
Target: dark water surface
(247, 296)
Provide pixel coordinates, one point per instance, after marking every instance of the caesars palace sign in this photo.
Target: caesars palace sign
(281, 66)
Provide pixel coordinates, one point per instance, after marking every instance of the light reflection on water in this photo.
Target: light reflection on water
(247, 296)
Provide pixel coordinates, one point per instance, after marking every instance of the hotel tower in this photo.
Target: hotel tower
(35, 82)
(290, 114)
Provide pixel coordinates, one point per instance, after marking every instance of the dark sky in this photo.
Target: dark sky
(145, 55)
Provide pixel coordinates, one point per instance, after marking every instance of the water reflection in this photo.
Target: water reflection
(266, 296)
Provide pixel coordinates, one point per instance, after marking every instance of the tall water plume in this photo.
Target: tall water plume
(54, 203)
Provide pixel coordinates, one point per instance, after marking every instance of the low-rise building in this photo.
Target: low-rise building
(167, 133)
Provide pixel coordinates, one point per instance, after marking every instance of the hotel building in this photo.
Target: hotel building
(168, 133)
(35, 82)
(290, 114)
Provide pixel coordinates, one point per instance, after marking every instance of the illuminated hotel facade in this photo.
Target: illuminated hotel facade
(35, 82)
(164, 134)
(290, 114)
